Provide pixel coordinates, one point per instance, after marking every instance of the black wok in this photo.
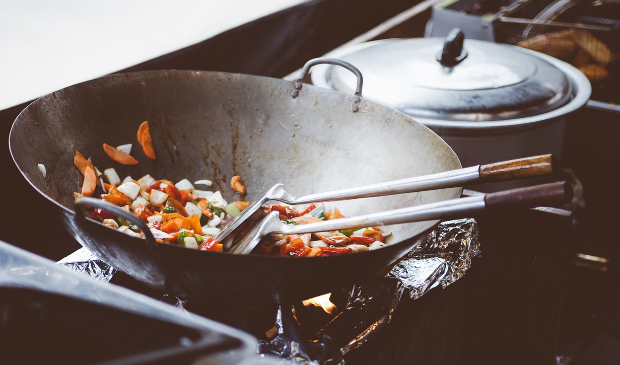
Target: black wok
(215, 125)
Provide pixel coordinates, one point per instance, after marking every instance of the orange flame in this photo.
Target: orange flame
(321, 301)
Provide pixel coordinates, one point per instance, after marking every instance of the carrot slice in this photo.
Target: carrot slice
(144, 137)
(90, 182)
(141, 129)
(82, 163)
(194, 222)
(118, 156)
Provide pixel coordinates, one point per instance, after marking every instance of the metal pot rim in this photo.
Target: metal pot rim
(580, 85)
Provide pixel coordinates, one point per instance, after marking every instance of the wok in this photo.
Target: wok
(215, 125)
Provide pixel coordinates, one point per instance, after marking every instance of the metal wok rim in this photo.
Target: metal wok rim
(404, 242)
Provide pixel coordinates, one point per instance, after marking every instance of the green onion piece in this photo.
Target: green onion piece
(123, 222)
(181, 237)
(347, 232)
(168, 209)
(194, 202)
(232, 210)
(199, 239)
(288, 221)
(217, 211)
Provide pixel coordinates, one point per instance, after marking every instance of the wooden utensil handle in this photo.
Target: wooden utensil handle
(541, 195)
(518, 169)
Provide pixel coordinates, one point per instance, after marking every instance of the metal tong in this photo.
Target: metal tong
(547, 194)
(495, 172)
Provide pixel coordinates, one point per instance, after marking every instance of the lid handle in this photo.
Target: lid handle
(453, 52)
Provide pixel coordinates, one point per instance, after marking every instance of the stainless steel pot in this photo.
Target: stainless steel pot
(488, 101)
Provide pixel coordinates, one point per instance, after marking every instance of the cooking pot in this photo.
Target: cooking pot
(488, 101)
(214, 125)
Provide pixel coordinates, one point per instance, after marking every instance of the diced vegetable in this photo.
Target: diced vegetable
(157, 197)
(81, 163)
(131, 189)
(119, 156)
(203, 182)
(184, 185)
(154, 218)
(125, 148)
(127, 179)
(145, 181)
(192, 209)
(144, 137)
(232, 210)
(42, 169)
(112, 177)
(215, 221)
(216, 200)
(191, 242)
(90, 182)
(139, 201)
(211, 231)
(181, 237)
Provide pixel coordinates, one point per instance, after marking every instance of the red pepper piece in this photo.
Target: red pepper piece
(358, 238)
(210, 244)
(102, 214)
(308, 210)
(285, 211)
(172, 192)
(154, 185)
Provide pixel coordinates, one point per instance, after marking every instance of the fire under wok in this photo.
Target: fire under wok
(213, 125)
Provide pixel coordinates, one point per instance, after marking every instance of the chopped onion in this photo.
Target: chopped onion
(160, 234)
(158, 197)
(215, 221)
(127, 179)
(126, 148)
(184, 185)
(203, 182)
(190, 242)
(146, 180)
(154, 218)
(306, 238)
(112, 176)
(42, 169)
(131, 189)
(357, 248)
(375, 245)
(105, 191)
(216, 200)
(211, 231)
(192, 209)
(279, 243)
(139, 201)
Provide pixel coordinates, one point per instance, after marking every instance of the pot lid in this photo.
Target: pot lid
(453, 79)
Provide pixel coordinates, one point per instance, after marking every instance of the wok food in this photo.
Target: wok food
(220, 125)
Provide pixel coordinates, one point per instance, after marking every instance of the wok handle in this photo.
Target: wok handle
(84, 202)
(541, 195)
(331, 61)
(519, 168)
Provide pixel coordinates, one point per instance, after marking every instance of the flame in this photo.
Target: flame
(321, 301)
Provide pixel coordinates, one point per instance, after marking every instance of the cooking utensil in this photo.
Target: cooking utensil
(499, 171)
(216, 125)
(552, 194)
(500, 102)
